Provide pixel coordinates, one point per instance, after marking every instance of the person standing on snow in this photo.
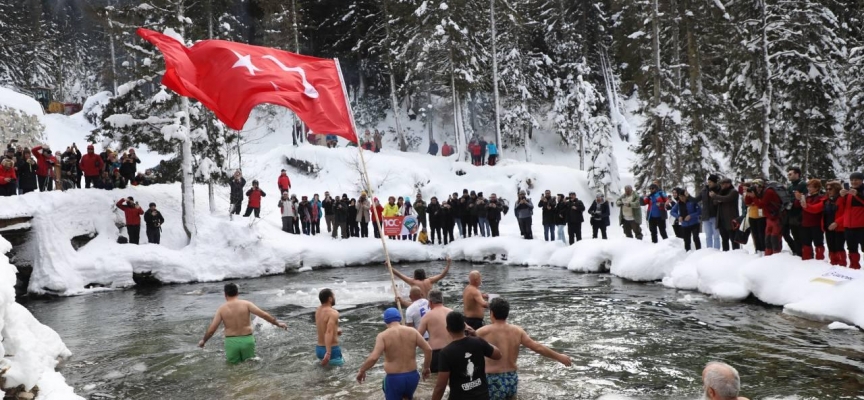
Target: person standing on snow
(853, 218)
(433, 212)
(492, 149)
(304, 215)
(483, 148)
(433, 148)
(599, 211)
(353, 225)
(340, 217)
(364, 206)
(133, 213)
(237, 183)
(482, 208)
(630, 217)
(767, 199)
(791, 217)
(328, 203)
(283, 182)
(524, 211)
(25, 169)
(420, 209)
(8, 179)
(255, 194)
(709, 212)
(289, 212)
(91, 165)
(833, 210)
(687, 211)
(813, 206)
(317, 214)
(548, 205)
(405, 210)
(446, 150)
(656, 201)
(378, 137)
(726, 203)
(494, 209)
(45, 167)
(153, 220)
(575, 208)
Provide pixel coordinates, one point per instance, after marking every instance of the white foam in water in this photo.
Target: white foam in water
(346, 294)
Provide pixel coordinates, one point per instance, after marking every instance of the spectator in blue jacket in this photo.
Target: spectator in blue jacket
(687, 211)
(492, 149)
(656, 201)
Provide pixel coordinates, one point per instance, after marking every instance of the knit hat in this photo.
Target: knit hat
(713, 178)
(392, 315)
(600, 195)
(757, 182)
(856, 175)
(363, 193)
(90, 146)
(375, 199)
(653, 187)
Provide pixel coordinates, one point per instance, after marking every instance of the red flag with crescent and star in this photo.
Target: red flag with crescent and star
(232, 78)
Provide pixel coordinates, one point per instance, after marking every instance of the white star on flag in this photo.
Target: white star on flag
(245, 62)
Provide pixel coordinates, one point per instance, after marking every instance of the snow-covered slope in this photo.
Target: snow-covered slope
(28, 349)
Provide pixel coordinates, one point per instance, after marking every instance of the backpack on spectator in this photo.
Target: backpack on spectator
(785, 197)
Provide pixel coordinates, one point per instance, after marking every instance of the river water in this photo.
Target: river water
(641, 341)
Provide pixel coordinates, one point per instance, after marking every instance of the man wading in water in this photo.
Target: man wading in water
(473, 301)
(327, 323)
(501, 375)
(399, 345)
(235, 315)
(420, 280)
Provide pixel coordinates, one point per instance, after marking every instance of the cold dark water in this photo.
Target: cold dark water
(641, 341)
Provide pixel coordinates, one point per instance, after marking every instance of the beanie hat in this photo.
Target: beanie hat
(363, 193)
(856, 175)
(653, 187)
(89, 146)
(392, 315)
(713, 178)
(375, 199)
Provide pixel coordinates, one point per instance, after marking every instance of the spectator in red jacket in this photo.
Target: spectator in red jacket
(769, 201)
(832, 213)
(255, 194)
(7, 178)
(283, 182)
(133, 213)
(446, 150)
(92, 166)
(853, 218)
(44, 167)
(813, 204)
(377, 210)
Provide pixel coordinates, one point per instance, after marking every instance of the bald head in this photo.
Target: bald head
(721, 381)
(474, 278)
(415, 294)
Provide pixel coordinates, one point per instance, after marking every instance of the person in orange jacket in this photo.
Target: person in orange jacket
(283, 182)
(255, 194)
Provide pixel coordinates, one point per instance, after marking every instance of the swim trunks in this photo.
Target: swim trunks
(434, 367)
(400, 386)
(239, 348)
(475, 323)
(335, 355)
(503, 386)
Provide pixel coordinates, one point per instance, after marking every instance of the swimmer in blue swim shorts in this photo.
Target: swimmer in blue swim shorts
(399, 344)
(327, 324)
(501, 375)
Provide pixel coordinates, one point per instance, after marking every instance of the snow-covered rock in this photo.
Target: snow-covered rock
(29, 349)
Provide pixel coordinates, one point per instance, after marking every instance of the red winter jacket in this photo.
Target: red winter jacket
(853, 210)
(475, 149)
(92, 164)
(255, 197)
(812, 215)
(133, 214)
(284, 183)
(42, 161)
(769, 203)
(7, 173)
(446, 150)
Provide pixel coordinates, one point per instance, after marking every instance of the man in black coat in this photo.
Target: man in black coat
(548, 205)
(237, 183)
(340, 216)
(327, 204)
(154, 220)
(433, 210)
(575, 208)
(493, 213)
(26, 167)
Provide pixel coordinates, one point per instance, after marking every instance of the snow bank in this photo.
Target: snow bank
(29, 349)
(22, 102)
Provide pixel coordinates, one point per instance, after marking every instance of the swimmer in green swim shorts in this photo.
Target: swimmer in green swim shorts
(236, 314)
(501, 374)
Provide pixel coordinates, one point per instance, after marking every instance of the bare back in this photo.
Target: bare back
(471, 302)
(507, 338)
(435, 322)
(236, 317)
(327, 320)
(400, 349)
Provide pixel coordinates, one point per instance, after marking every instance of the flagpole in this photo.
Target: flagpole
(375, 220)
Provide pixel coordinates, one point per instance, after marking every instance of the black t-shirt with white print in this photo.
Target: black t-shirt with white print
(465, 359)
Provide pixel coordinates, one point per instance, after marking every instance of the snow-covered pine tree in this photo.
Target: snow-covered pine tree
(852, 17)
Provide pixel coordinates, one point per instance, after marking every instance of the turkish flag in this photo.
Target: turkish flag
(232, 78)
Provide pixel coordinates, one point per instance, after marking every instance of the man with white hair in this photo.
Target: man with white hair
(721, 382)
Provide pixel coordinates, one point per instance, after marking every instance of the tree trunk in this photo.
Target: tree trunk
(495, 79)
(455, 99)
(430, 113)
(658, 122)
(767, 97)
(188, 181)
(394, 103)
